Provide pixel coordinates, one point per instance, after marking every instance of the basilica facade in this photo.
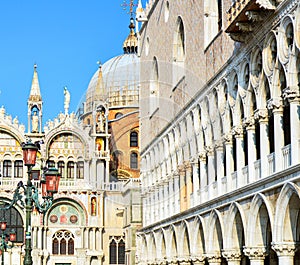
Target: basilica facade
(95, 214)
(220, 155)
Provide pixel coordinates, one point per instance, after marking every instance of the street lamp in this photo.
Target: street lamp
(29, 194)
(4, 239)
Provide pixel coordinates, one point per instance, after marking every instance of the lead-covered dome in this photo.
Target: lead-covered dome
(117, 80)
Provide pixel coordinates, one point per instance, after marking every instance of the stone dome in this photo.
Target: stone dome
(117, 81)
(120, 79)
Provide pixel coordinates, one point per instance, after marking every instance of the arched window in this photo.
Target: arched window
(61, 168)
(212, 20)
(80, 170)
(121, 252)
(50, 163)
(70, 170)
(117, 251)
(113, 252)
(134, 160)
(178, 53)
(63, 243)
(18, 169)
(133, 139)
(14, 221)
(7, 169)
(154, 88)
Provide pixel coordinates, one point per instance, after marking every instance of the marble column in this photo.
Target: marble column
(239, 154)
(249, 123)
(211, 171)
(177, 192)
(220, 165)
(262, 116)
(275, 104)
(256, 255)
(189, 183)
(196, 181)
(203, 177)
(171, 195)
(293, 99)
(182, 188)
(285, 252)
(229, 157)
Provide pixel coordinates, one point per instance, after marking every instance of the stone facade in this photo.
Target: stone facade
(97, 210)
(220, 129)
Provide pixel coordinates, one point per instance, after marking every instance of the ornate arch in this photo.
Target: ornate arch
(253, 237)
(215, 233)
(232, 237)
(286, 214)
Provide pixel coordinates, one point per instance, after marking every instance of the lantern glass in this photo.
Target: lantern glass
(29, 153)
(52, 180)
(44, 189)
(3, 225)
(12, 235)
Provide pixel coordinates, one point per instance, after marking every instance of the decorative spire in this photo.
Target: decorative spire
(140, 13)
(99, 91)
(130, 45)
(35, 93)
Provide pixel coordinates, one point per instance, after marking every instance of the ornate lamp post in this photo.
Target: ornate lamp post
(4, 240)
(49, 185)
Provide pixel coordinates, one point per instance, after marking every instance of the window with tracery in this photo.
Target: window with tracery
(61, 168)
(70, 170)
(117, 250)
(63, 243)
(133, 139)
(18, 169)
(80, 170)
(7, 168)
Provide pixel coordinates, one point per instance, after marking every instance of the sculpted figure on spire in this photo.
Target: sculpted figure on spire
(67, 100)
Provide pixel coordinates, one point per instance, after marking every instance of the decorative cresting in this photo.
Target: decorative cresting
(244, 15)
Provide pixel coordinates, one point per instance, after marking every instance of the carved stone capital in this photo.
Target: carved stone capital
(181, 170)
(237, 131)
(274, 104)
(227, 138)
(202, 156)
(261, 115)
(232, 255)
(290, 94)
(214, 258)
(285, 249)
(187, 165)
(256, 253)
(219, 145)
(249, 123)
(198, 259)
(209, 150)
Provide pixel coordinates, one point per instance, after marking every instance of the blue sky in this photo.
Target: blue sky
(65, 39)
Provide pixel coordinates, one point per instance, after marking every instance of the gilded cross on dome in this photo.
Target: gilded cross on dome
(130, 5)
